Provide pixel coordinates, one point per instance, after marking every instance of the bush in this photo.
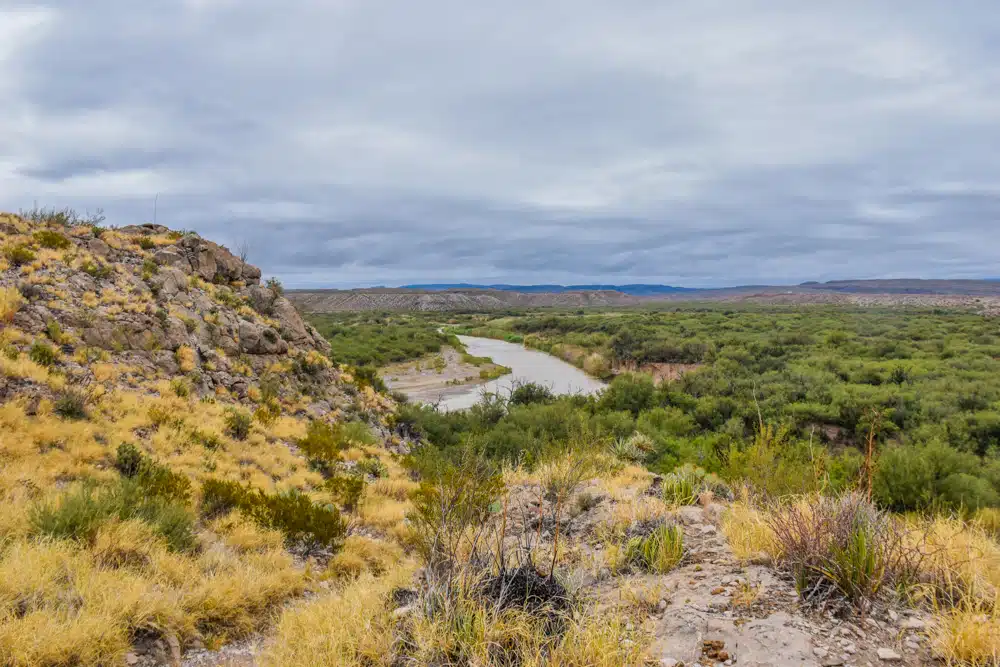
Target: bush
(18, 255)
(79, 513)
(323, 442)
(346, 490)
(657, 552)
(843, 548)
(294, 514)
(43, 354)
(530, 392)
(71, 404)
(238, 424)
(154, 478)
(373, 467)
(632, 393)
(146, 243)
(52, 240)
(97, 270)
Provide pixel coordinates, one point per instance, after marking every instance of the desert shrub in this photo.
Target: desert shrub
(843, 548)
(146, 243)
(346, 490)
(71, 404)
(530, 392)
(51, 239)
(154, 478)
(97, 270)
(294, 514)
(323, 442)
(374, 467)
(367, 376)
(11, 301)
(18, 255)
(54, 331)
(43, 354)
(632, 393)
(79, 513)
(180, 387)
(238, 423)
(917, 477)
(659, 551)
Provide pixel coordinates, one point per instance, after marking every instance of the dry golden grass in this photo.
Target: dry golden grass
(362, 555)
(353, 627)
(749, 534)
(10, 302)
(968, 635)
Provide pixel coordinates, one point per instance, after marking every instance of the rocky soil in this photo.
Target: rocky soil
(722, 612)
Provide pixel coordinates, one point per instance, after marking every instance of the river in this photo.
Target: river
(526, 365)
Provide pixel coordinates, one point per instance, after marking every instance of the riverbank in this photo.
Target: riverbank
(437, 376)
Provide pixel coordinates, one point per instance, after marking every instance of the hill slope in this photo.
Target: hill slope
(149, 385)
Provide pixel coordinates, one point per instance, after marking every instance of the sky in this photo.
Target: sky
(385, 142)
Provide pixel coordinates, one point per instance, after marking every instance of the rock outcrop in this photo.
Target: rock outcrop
(161, 303)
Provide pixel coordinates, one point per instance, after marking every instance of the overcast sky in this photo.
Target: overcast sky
(362, 142)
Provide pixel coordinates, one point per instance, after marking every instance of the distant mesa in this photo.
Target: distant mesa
(634, 290)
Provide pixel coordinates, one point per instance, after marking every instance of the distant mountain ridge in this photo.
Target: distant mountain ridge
(631, 289)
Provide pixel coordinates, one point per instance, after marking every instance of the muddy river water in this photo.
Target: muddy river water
(527, 366)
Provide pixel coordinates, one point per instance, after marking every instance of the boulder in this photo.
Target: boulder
(171, 257)
(292, 326)
(98, 248)
(170, 281)
(257, 339)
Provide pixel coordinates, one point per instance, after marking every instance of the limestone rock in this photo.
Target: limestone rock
(888, 655)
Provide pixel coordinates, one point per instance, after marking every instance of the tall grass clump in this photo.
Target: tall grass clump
(843, 549)
(659, 551)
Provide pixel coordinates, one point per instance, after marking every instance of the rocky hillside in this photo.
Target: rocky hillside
(160, 302)
(179, 457)
(329, 301)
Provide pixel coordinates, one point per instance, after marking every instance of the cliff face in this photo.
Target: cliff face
(160, 303)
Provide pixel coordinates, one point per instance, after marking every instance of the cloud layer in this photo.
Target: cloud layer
(384, 142)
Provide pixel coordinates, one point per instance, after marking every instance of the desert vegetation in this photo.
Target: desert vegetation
(185, 464)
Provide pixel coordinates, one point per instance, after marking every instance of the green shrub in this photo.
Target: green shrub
(346, 489)
(43, 354)
(323, 442)
(18, 255)
(238, 423)
(658, 552)
(54, 331)
(180, 387)
(146, 243)
(530, 392)
(373, 467)
(97, 270)
(631, 393)
(71, 404)
(79, 513)
(52, 240)
(155, 479)
(294, 514)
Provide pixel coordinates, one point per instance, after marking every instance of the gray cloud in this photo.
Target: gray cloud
(386, 142)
